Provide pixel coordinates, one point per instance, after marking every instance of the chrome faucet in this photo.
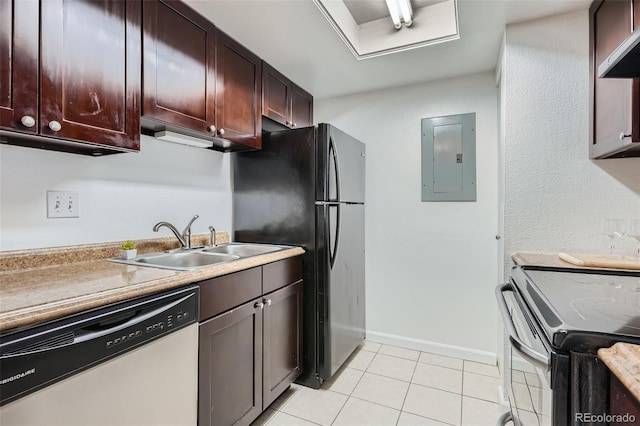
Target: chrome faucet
(185, 238)
(213, 236)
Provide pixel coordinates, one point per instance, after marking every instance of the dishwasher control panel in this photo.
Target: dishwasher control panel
(34, 358)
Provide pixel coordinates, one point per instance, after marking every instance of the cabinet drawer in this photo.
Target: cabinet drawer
(223, 293)
(279, 274)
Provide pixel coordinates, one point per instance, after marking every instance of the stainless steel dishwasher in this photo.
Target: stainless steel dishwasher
(131, 363)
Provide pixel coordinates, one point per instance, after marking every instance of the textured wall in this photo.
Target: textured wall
(555, 197)
(431, 267)
(121, 196)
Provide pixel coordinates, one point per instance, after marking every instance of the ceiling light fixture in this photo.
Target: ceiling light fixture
(400, 11)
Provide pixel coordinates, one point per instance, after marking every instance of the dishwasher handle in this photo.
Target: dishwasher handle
(125, 318)
(530, 354)
(138, 318)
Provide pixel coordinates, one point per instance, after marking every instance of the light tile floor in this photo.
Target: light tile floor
(383, 385)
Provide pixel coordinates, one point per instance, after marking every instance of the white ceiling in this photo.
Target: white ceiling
(294, 37)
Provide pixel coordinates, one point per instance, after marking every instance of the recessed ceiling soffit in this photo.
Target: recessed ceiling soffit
(368, 31)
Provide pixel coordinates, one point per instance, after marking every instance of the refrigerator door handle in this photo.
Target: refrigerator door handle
(336, 168)
(333, 248)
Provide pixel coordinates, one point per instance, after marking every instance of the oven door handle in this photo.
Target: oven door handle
(530, 354)
(505, 418)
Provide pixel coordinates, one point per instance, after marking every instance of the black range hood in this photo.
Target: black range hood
(624, 62)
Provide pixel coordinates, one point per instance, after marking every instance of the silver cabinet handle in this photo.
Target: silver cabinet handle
(288, 123)
(623, 136)
(28, 121)
(212, 129)
(221, 132)
(294, 124)
(259, 305)
(55, 126)
(537, 359)
(267, 302)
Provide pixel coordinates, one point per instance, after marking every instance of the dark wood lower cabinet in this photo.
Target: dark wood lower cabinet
(230, 367)
(249, 354)
(282, 341)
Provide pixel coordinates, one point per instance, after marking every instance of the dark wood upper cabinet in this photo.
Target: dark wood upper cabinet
(301, 107)
(88, 63)
(19, 65)
(197, 80)
(90, 83)
(283, 101)
(179, 66)
(615, 103)
(276, 98)
(238, 97)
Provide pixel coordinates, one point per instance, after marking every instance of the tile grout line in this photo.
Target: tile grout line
(404, 400)
(297, 417)
(341, 408)
(412, 383)
(375, 403)
(462, 394)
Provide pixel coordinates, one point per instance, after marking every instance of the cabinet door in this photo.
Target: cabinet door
(19, 64)
(615, 102)
(636, 12)
(179, 66)
(276, 95)
(282, 340)
(301, 108)
(238, 93)
(230, 367)
(90, 71)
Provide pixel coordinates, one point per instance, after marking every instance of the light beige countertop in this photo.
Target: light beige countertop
(623, 359)
(549, 260)
(541, 259)
(78, 278)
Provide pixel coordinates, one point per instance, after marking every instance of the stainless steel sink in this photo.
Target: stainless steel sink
(186, 260)
(243, 250)
(180, 261)
(201, 257)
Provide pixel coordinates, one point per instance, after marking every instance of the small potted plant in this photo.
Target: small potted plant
(128, 250)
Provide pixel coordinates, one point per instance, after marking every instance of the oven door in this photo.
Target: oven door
(527, 363)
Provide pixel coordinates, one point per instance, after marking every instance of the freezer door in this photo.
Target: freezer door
(341, 166)
(341, 291)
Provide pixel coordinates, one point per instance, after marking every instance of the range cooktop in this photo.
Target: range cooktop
(582, 311)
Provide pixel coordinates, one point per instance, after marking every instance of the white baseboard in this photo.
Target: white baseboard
(433, 347)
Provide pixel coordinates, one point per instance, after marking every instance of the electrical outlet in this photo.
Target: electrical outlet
(62, 204)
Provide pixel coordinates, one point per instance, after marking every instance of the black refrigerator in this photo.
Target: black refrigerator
(306, 188)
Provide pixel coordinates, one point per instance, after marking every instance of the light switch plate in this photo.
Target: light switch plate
(62, 204)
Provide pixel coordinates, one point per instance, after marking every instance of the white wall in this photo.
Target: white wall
(556, 197)
(431, 267)
(121, 196)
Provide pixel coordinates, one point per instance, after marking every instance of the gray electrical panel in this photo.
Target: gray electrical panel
(449, 158)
